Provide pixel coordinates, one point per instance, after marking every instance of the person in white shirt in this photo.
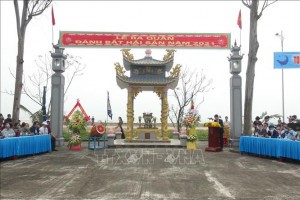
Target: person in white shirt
(44, 129)
(7, 131)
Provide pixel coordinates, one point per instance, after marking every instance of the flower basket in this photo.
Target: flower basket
(191, 120)
(75, 148)
(75, 142)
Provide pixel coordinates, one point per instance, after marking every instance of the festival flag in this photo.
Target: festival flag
(109, 111)
(239, 20)
(192, 105)
(53, 19)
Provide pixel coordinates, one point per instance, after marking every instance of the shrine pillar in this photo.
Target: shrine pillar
(132, 93)
(164, 115)
(129, 129)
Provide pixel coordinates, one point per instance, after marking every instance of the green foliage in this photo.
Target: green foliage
(37, 116)
(77, 123)
(170, 133)
(84, 135)
(202, 135)
(67, 135)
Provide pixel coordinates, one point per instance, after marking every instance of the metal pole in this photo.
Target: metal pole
(282, 79)
(0, 87)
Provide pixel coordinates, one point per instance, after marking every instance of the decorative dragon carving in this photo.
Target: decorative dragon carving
(169, 55)
(127, 54)
(119, 69)
(159, 91)
(135, 91)
(175, 72)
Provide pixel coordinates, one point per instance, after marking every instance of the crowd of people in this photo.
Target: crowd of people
(267, 129)
(8, 129)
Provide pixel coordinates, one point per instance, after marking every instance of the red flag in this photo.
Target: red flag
(239, 20)
(53, 19)
(192, 105)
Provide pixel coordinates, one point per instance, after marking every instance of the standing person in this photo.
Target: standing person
(226, 131)
(221, 129)
(256, 123)
(267, 120)
(1, 119)
(120, 125)
(279, 122)
(8, 120)
(93, 120)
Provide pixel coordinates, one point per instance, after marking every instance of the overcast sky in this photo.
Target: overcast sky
(157, 16)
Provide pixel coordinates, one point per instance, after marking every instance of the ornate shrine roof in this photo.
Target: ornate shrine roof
(147, 71)
(125, 81)
(167, 61)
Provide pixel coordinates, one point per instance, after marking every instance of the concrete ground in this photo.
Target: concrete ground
(148, 174)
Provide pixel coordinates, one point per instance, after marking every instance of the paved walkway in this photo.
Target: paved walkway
(148, 174)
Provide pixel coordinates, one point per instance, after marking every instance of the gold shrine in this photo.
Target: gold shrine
(147, 74)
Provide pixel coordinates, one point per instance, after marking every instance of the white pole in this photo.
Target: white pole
(241, 40)
(0, 87)
(282, 78)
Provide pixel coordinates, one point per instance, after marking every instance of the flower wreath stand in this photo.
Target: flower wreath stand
(191, 139)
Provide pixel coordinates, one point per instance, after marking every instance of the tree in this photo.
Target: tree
(253, 5)
(43, 75)
(190, 84)
(31, 9)
(33, 84)
(37, 116)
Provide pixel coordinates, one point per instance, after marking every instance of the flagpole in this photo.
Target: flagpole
(106, 109)
(52, 36)
(240, 40)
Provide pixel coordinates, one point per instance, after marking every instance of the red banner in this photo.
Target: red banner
(146, 40)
